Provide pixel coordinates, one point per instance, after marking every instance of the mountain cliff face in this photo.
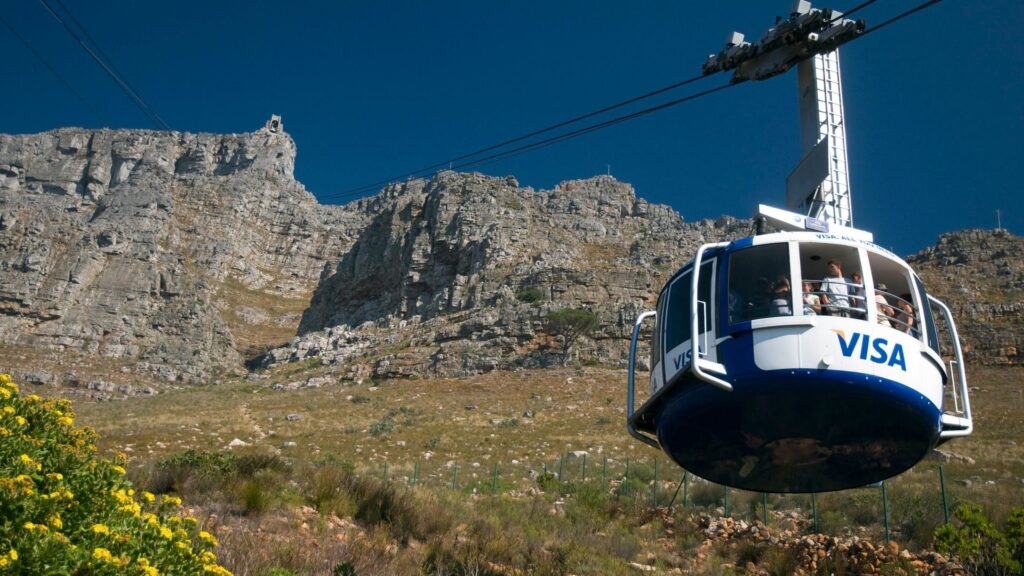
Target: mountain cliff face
(980, 275)
(126, 255)
(156, 250)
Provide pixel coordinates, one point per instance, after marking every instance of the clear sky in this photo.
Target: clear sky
(373, 89)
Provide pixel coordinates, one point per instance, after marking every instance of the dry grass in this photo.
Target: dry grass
(494, 433)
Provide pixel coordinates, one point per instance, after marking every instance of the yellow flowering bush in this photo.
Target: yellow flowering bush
(63, 510)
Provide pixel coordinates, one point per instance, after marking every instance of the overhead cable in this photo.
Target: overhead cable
(558, 138)
(454, 162)
(92, 109)
(901, 16)
(108, 68)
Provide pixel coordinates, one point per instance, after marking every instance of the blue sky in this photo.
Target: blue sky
(371, 90)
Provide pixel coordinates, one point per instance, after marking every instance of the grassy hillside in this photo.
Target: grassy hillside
(477, 450)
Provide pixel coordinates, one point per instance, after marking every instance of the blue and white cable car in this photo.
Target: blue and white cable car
(781, 392)
(807, 359)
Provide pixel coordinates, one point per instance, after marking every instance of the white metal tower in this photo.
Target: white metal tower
(819, 188)
(820, 185)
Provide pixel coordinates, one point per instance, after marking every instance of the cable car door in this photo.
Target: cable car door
(677, 340)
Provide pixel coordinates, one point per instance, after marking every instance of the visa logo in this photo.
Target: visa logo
(877, 350)
(682, 359)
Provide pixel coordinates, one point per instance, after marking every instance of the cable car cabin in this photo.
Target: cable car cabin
(773, 369)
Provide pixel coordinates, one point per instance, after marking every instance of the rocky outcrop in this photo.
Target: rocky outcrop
(980, 275)
(458, 274)
(184, 255)
(140, 246)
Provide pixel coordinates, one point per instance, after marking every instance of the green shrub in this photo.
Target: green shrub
(981, 547)
(63, 510)
(531, 295)
(571, 324)
(384, 426)
(779, 561)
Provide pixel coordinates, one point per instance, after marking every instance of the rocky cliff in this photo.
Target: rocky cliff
(131, 254)
(153, 252)
(980, 274)
(458, 275)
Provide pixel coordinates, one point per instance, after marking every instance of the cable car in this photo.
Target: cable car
(790, 384)
(806, 359)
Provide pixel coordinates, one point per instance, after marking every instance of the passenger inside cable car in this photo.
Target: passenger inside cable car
(760, 285)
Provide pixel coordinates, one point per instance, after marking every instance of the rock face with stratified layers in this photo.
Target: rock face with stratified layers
(139, 253)
(155, 249)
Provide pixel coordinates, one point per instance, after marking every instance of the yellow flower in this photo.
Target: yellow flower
(20, 420)
(217, 570)
(148, 496)
(100, 529)
(208, 538)
(172, 500)
(150, 571)
(102, 554)
(4, 562)
(55, 521)
(118, 469)
(13, 554)
(33, 398)
(66, 421)
(28, 461)
(55, 476)
(166, 532)
(5, 393)
(181, 545)
(208, 557)
(7, 409)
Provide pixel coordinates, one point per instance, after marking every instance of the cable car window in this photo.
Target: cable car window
(658, 321)
(677, 316)
(834, 276)
(759, 283)
(893, 299)
(929, 322)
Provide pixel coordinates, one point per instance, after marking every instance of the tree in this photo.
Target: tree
(570, 324)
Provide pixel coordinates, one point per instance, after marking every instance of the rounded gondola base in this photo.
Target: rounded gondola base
(798, 432)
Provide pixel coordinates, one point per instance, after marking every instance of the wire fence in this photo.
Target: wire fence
(896, 508)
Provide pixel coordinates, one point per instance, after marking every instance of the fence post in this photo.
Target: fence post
(583, 472)
(494, 481)
(814, 509)
(561, 464)
(654, 486)
(415, 473)
(676, 493)
(625, 480)
(764, 507)
(455, 477)
(945, 502)
(885, 511)
(604, 473)
(726, 501)
(686, 486)
(385, 471)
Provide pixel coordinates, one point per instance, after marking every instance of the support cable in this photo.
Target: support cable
(123, 84)
(92, 109)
